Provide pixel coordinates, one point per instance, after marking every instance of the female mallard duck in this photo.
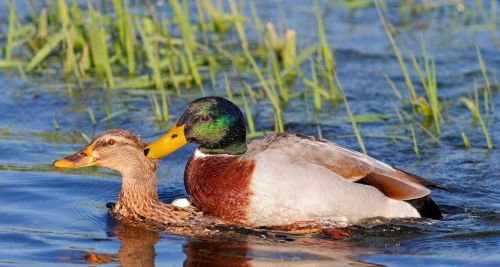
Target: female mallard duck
(122, 151)
(284, 179)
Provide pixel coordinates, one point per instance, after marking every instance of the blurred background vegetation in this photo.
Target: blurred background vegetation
(178, 47)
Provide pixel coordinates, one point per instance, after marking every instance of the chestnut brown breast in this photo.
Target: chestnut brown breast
(220, 186)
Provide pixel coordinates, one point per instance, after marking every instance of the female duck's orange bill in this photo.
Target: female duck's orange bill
(84, 158)
(167, 144)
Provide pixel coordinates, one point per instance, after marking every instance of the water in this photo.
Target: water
(48, 217)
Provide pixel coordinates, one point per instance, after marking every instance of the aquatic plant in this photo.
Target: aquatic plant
(351, 118)
(428, 105)
(475, 110)
(211, 49)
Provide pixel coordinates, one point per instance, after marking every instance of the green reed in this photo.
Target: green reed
(467, 143)
(474, 108)
(126, 32)
(487, 87)
(146, 30)
(415, 141)
(10, 32)
(97, 36)
(171, 53)
(188, 36)
(430, 105)
(248, 114)
(399, 56)
(354, 124)
(325, 56)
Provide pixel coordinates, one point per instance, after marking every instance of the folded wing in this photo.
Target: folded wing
(349, 164)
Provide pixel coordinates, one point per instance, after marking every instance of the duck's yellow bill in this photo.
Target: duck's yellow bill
(84, 158)
(167, 144)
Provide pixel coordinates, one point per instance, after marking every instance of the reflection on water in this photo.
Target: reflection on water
(137, 248)
(52, 218)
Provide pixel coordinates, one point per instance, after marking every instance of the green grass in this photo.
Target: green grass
(98, 44)
(475, 110)
(487, 87)
(248, 114)
(188, 36)
(146, 30)
(51, 44)
(324, 49)
(171, 53)
(126, 32)
(429, 105)
(326, 58)
(465, 138)
(229, 92)
(354, 124)
(271, 94)
(399, 56)
(415, 142)
(11, 30)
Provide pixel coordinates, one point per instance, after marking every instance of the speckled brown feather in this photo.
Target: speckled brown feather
(138, 199)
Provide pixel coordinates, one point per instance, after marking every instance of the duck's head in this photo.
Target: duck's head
(116, 149)
(215, 123)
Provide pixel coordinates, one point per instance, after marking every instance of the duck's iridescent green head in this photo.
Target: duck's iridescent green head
(215, 123)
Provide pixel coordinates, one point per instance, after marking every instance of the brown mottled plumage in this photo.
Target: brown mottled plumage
(122, 151)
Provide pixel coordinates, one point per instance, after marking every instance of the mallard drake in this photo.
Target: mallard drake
(285, 179)
(122, 151)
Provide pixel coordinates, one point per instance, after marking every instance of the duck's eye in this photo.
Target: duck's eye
(111, 142)
(205, 118)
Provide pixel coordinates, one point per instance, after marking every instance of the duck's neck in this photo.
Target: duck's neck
(139, 191)
(138, 197)
(232, 149)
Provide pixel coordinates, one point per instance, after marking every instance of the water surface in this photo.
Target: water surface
(48, 217)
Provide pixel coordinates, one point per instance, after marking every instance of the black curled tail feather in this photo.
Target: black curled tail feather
(426, 207)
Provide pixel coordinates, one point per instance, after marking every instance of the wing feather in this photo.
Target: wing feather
(349, 164)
